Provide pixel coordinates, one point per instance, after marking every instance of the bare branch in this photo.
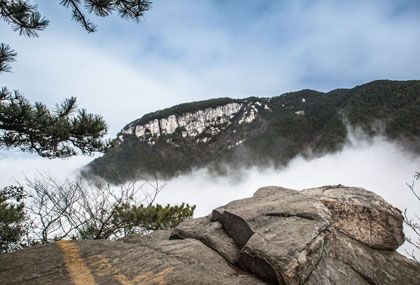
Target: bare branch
(411, 223)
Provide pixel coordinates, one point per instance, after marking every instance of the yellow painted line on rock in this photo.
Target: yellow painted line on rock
(78, 271)
(152, 278)
(102, 266)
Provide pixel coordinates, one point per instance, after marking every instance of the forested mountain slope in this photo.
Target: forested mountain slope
(224, 133)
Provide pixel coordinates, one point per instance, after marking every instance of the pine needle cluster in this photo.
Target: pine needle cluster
(65, 131)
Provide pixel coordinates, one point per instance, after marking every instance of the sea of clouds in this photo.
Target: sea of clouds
(374, 164)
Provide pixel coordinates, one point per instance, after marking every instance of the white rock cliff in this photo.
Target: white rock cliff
(211, 120)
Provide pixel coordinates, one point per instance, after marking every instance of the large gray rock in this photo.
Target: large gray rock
(326, 235)
(362, 215)
(211, 234)
(331, 235)
(375, 266)
(330, 271)
(141, 261)
(280, 233)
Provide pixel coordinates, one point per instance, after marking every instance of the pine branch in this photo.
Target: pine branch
(127, 9)
(7, 55)
(23, 17)
(101, 8)
(132, 9)
(78, 16)
(66, 108)
(35, 128)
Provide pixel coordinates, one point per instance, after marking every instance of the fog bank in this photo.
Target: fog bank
(376, 165)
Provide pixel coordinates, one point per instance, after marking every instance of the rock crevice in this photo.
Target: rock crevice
(326, 235)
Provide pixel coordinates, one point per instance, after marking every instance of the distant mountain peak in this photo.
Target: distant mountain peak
(222, 133)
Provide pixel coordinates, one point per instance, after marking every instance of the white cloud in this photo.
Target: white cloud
(14, 167)
(378, 166)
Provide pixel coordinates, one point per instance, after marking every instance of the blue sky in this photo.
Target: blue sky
(192, 50)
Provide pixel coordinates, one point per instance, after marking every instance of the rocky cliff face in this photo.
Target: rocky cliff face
(210, 121)
(328, 235)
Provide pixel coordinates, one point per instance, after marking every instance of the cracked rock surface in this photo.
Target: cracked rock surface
(327, 235)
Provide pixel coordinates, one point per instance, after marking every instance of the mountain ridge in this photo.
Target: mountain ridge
(224, 132)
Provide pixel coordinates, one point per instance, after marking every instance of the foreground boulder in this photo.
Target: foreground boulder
(149, 261)
(328, 235)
